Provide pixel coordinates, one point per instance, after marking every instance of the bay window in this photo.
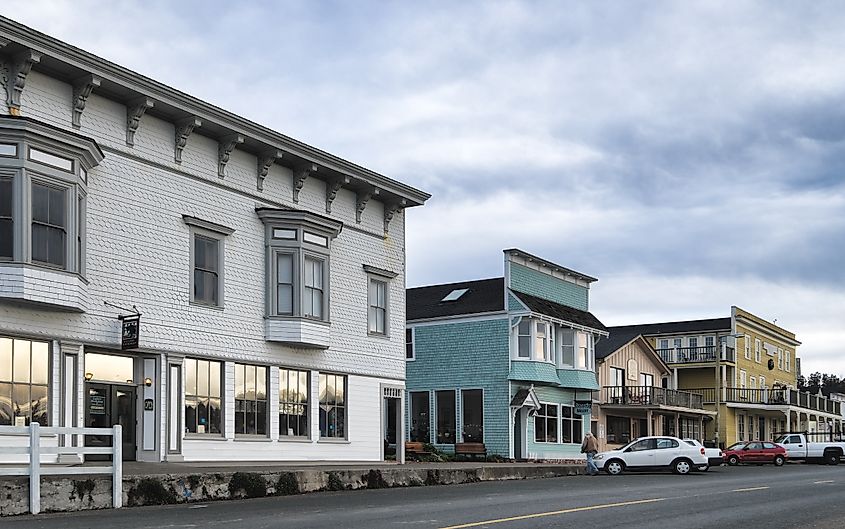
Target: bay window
(524, 338)
(7, 221)
(312, 305)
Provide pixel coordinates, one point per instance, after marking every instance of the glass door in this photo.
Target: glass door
(105, 406)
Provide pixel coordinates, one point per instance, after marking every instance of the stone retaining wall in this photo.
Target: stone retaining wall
(77, 493)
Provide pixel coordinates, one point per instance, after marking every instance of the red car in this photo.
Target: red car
(755, 452)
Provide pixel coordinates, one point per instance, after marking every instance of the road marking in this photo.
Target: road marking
(553, 513)
(750, 489)
(198, 506)
(824, 481)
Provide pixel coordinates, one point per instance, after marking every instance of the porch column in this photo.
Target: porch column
(677, 425)
(650, 420)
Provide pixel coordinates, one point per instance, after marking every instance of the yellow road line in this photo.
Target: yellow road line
(553, 513)
(824, 481)
(749, 489)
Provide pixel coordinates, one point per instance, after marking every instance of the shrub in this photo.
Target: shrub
(250, 484)
(287, 484)
(334, 482)
(150, 491)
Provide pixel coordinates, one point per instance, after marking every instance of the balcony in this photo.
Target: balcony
(695, 355)
(650, 396)
(772, 397)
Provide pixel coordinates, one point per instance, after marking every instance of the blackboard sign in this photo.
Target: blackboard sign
(97, 405)
(131, 328)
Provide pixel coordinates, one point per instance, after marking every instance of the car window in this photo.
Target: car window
(639, 446)
(666, 443)
(754, 446)
(794, 439)
(769, 446)
(736, 446)
(691, 442)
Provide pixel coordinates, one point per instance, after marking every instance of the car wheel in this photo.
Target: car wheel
(779, 461)
(831, 457)
(733, 461)
(682, 466)
(614, 467)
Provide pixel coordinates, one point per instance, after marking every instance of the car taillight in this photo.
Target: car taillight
(702, 451)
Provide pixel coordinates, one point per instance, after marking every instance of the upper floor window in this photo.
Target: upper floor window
(298, 262)
(23, 382)
(523, 339)
(693, 342)
(409, 344)
(757, 352)
(43, 187)
(377, 300)
(747, 348)
(207, 260)
(709, 341)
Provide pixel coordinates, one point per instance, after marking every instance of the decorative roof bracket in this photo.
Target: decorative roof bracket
(82, 88)
(265, 162)
(225, 146)
(134, 110)
(390, 210)
(184, 128)
(19, 68)
(332, 187)
(362, 197)
(299, 177)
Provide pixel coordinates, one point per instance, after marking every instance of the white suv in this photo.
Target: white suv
(657, 452)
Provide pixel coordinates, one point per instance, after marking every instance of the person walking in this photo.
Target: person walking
(590, 446)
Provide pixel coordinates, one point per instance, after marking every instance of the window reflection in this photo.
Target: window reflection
(293, 402)
(110, 368)
(23, 382)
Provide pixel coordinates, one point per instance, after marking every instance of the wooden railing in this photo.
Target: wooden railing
(650, 396)
(34, 450)
(695, 355)
(771, 396)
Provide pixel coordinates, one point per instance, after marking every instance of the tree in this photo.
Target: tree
(828, 383)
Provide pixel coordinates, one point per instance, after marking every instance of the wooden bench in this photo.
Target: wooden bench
(471, 449)
(415, 448)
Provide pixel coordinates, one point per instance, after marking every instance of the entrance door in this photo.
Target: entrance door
(518, 434)
(762, 429)
(105, 406)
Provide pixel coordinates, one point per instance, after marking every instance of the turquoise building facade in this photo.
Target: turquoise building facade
(508, 361)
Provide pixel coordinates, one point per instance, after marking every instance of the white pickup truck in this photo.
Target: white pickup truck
(799, 448)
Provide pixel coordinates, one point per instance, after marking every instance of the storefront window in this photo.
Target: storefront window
(445, 401)
(618, 430)
(473, 416)
(293, 403)
(202, 396)
(571, 426)
(420, 417)
(545, 424)
(250, 399)
(23, 382)
(332, 406)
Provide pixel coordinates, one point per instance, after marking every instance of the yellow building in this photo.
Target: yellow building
(746, 370)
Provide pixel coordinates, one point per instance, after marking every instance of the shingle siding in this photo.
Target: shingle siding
(523, 279)
(466, 355)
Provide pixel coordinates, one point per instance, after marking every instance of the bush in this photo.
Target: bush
(252, 485)
(375, 480)
(334, 482)
(151, 491)
(287, 484)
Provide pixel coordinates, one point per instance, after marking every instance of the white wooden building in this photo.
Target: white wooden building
(269, 275)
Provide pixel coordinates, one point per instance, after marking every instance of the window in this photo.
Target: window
(541, 346)
(409, 344)
(762, 382)
(23, 382)
(692, 341)
(110, 368)
(780, 358)
(202, 396)
(332, 406)
(206, 270)
(455, 295)
(567, 346)
(7, 222)
(663, 444)
(757, 346)
(284, 283)
(294, 392)
(740, 428)
(618, 430)
(570, 425)
(298, 264)
(420, 421)
(545, 424)
(472, 406)
(786, 355)
(617, 383)
(49, 225)
(753, 383)
(377, 299)
(647, 380)
(747, 348)
(709, 342)
(585, 348)
(250, 400)
(445, 416)
(46, 158)
(312, 304)
(645, 444)
(664, 343)
(677, 343)
(524, 338)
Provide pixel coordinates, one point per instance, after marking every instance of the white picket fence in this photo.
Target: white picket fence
(35, 469)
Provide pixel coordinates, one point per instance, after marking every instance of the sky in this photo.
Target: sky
(690, 155)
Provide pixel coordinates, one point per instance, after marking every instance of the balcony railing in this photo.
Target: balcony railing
(773, 397)
(650, 396)
(695, 355)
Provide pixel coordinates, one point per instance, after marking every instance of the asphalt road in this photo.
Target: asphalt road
(791, 497)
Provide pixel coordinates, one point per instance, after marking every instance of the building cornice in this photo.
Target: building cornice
(119, 83)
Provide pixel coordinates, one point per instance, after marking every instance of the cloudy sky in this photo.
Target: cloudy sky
(689, 155)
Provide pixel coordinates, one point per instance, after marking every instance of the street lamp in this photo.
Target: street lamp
(722, 349)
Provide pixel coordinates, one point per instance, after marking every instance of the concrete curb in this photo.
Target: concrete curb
(78, 493)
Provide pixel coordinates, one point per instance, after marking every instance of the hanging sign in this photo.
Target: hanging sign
(583, 407)
(130, 329)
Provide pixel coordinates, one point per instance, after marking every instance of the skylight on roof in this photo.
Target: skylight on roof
(455, 294)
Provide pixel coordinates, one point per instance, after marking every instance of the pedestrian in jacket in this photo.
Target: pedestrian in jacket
(590, 446)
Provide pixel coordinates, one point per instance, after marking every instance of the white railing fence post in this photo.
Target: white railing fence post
(34, 468)
(117, 467)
